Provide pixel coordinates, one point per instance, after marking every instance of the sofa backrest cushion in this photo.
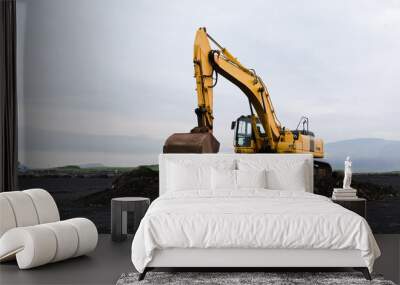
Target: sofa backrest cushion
(26, 208)
(46, 207)
(7, 219)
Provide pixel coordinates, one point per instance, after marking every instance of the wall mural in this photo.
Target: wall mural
(100, 88)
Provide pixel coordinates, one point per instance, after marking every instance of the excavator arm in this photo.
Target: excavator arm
(221, 61)
(203, 73)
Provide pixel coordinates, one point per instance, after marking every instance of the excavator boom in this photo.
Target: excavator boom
(203, 73)
(200, 138)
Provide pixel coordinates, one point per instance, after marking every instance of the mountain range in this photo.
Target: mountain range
(368, 155)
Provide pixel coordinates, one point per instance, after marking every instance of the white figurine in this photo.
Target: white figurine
(347, 174)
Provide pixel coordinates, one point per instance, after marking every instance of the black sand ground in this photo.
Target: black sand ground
(90, 196)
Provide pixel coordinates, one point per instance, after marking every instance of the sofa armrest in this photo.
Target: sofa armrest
(32, 246)
(41, 244)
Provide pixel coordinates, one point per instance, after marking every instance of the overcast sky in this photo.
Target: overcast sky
(108, 81)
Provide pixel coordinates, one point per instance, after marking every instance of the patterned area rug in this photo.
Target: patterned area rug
(230, 278)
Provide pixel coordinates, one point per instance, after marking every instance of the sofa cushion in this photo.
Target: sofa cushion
(32, 246)
(7, 218)
(41, 244)
(45, 205)
(87, 233)
(67, 240)
(23, 208)
(26, 208)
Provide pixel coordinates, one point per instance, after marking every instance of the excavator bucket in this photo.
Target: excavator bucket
(191, 143)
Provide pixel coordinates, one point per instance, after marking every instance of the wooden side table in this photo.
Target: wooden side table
(357, 205)
(119, 215)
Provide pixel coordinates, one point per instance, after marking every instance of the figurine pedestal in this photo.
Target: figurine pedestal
(344, 194)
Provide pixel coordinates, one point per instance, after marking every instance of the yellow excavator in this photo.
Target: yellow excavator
(259, 132)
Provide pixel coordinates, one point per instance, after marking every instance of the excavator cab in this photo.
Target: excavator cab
(244, 133)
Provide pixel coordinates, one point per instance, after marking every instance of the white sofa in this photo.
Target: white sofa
(31, 230)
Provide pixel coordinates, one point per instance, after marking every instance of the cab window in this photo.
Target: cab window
(243, 135)
(260, 128)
